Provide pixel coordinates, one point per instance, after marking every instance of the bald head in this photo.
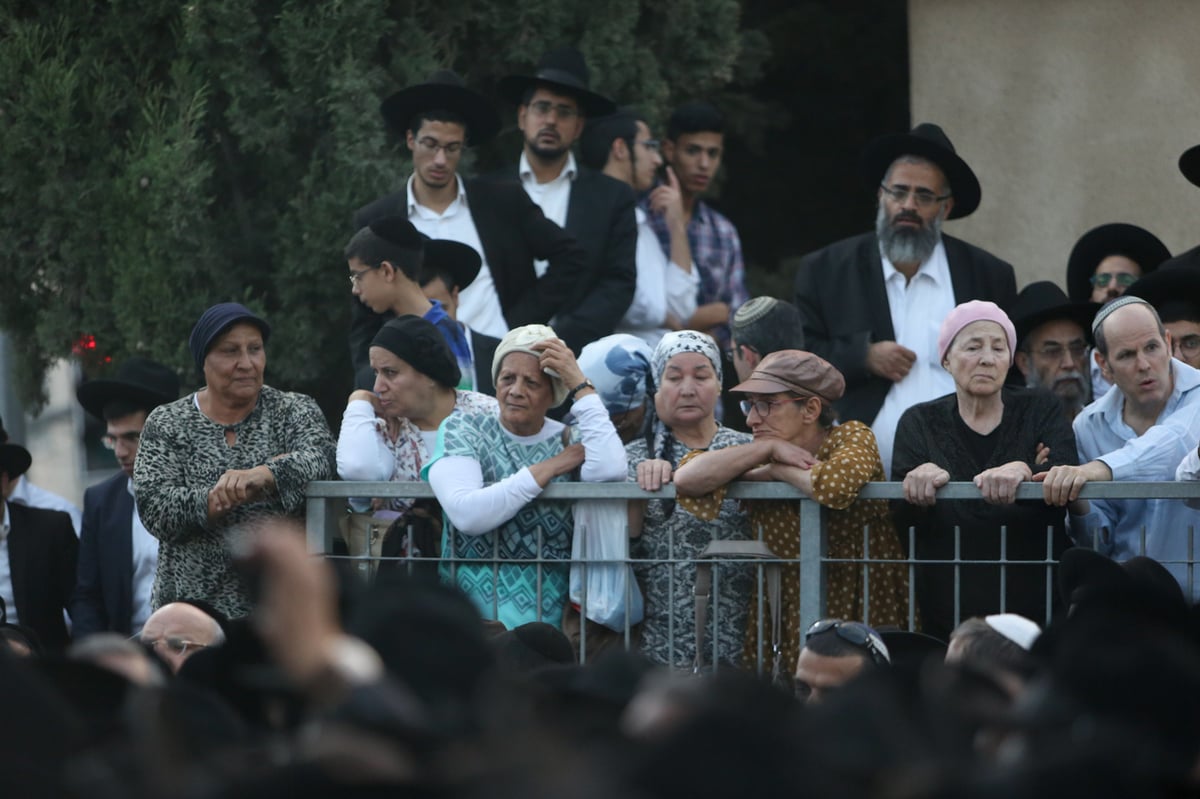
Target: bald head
(177, 631)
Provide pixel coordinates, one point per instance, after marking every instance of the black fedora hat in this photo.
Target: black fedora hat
(458, 260)
(563, 69)
(1043, 301)
(141, 381)
(926, 140)
(15, 460)
(1177, 285)
(1116, 238)
(1189, 164)
(444, 90)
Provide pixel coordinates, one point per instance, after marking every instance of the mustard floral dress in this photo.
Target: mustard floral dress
(849, 459)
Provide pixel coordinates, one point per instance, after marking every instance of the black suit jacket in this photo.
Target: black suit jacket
(843, 301)
(103, 598)
(514, 233)
(42, 549)
(600, 216)
(483, 349)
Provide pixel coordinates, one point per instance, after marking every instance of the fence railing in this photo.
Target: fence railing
(327, 502)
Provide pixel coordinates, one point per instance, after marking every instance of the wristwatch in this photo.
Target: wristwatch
(585, 384)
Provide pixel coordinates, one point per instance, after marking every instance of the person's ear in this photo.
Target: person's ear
(947, 208)
(619, 151)
(1102, 362)
(1022, 361)
(410, 140)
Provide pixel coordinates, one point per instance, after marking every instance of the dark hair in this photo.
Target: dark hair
(695, 117)
(121, 407)
(1102, 341)
(437, 115)
(831, 645)
(986, 650)
(373, 250)
(596, 142)
(430, 274)
(556, 88)
(780, 327)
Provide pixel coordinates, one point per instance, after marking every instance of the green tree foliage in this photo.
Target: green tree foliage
(160, 156)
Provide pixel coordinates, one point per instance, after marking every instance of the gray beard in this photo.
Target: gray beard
(904, 245)
(1073, 401)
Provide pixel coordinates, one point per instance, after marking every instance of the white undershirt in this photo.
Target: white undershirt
(552, 197)
(6, 589)
(145, 563)
(662, 286)
(918, 307)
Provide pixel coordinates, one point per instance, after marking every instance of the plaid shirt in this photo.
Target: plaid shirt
(717, 253)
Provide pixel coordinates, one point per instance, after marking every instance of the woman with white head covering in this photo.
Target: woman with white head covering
(687, 375)
(488, 468)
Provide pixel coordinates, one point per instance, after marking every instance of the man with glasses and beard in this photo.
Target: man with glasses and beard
(872, 304)
(1052, 343)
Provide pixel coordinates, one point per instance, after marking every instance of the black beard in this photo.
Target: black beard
(904, 245)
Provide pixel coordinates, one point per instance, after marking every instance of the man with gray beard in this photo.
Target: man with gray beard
(872, 304)
(1052, 343)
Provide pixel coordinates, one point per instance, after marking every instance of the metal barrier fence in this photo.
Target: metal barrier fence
(327, 502)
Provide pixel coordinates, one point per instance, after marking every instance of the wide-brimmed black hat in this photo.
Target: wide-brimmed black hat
(563, 69)
(458, 260)
(926, 140)
(1176, 284)
(15, 460)
(1189, 164)
(444, 90)
(140, 381)
(1043, 301)
(1116, 238)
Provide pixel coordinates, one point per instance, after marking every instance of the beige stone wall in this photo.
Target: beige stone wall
(1072, 112)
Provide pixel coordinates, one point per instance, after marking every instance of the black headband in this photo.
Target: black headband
(419, 344)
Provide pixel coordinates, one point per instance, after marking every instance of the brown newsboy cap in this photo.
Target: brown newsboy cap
(798, 371)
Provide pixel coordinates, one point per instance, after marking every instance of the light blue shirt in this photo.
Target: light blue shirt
(1115, 527)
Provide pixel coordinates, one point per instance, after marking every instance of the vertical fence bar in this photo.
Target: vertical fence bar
(1004, 568)
(866, 574)
(318, 535)
(812, 575)
(957, 575)
(583, 599)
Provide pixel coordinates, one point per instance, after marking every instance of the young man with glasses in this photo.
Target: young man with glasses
(836, 652)
(872, 303)
(439, 119)
(118, 557)
(620, 145)
(1052, 343)
(553, 105)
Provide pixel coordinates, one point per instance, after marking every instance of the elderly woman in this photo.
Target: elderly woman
(687, 373)
(789, 407)
(229, 454)
(390, 433)
(997, 437)
(488, 469)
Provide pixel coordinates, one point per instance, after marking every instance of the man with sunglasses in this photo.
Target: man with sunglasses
(117, 556)
(835, 652)
(872, 303)
(553, 105)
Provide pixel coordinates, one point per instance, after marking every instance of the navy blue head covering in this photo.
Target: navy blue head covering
(215, 321)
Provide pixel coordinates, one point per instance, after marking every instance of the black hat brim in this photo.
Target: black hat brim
(1175, 283)
(15, 460)
(458, 260)
(1117, 238)
(401, 108)
(95, 394)
(1082, 313)
(512, 88)
(1189, 164)
(882, 151)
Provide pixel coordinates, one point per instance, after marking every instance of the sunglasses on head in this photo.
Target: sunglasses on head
(854, 632)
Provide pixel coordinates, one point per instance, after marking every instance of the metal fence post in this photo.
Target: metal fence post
(812, 572)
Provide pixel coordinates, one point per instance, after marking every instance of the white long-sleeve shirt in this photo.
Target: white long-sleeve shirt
(662, 286)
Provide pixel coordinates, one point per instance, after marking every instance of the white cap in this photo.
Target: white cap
(1018, 629)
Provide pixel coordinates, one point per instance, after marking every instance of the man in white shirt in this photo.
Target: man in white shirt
(26, 493)
(552, 106)
(873, 304)
(117, 555)
(438, 119)
(620, 145)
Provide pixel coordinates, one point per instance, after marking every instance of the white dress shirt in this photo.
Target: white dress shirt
(31, 496)
(918, 307)
(552, 197)
(478, 303)
(662, 286)
(6, 589)
(145, 563)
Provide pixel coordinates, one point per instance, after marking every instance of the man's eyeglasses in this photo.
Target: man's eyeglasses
(924, 197)
(563, 111)
(1124, 279)
(176, 646)
(357, 276)
(430, 145)
(1189, 344)
(653, 145)
(764, 406)
(857, 633)
(132, 437)
(1054, 352)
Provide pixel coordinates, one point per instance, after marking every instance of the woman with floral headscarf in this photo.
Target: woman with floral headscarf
(687, 375)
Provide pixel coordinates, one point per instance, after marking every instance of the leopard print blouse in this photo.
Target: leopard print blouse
(181, 456)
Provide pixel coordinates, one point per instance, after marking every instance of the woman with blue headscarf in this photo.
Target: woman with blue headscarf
(686, 369)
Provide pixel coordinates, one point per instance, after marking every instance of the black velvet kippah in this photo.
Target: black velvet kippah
(397, 230)
(419, 344)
